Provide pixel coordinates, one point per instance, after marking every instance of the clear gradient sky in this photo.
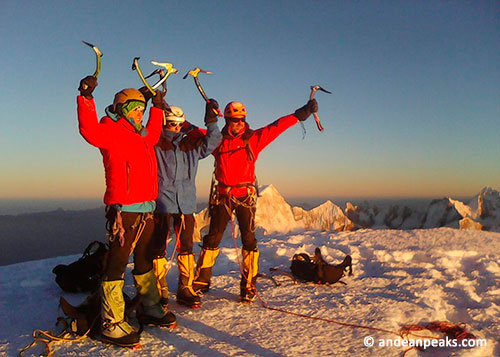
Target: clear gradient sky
(415, 109)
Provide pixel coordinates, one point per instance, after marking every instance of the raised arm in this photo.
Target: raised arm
(213, 137)
(154, 125)
(93, 132)
(264, 136)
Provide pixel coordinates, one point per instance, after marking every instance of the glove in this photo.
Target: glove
(304, 112)
(211, 110)
(158, 99)
(87, 86)
(146, 93)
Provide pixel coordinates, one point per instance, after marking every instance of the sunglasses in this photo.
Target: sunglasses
(133, 105)
(173, 124)
(236, 120)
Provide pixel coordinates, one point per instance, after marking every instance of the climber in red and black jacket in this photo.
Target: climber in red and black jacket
(235, 189)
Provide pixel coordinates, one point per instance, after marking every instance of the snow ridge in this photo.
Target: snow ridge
(275, 215)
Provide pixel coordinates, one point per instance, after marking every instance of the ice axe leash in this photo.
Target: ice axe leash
(194, 72)
(98, 55)
(311, 96)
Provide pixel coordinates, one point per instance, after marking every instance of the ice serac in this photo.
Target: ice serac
(481, 213)
(441, 212)
(484, 209)
(394, 217)
(361, 216)
(469, 224)
(325, 217)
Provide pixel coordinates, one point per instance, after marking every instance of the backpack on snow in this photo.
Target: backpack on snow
(84, 275)
(317, 270)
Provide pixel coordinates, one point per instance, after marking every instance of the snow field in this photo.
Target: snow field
(399, 277)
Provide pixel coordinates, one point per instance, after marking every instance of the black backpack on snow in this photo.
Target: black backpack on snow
(317, 270)
(84, 275)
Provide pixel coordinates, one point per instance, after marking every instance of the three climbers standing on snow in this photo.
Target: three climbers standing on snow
(150, 184)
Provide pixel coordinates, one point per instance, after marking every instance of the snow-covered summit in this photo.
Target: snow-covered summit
(273, 213)
(400, 277)
(325, 217)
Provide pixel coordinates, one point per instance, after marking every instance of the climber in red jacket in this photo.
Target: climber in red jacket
(235, 189)
(127, 148)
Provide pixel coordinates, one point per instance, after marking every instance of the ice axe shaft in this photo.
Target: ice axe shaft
(194, 73)
(98, 55)
(162, 74)
(311, 96)
(135, 67)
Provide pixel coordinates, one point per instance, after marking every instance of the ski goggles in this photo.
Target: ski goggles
(133, 105)
(236, 120)
(173, 124)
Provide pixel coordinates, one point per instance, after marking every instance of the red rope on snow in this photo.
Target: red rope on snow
(455, 331)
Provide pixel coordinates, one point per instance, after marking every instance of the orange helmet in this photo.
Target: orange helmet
(235, 110)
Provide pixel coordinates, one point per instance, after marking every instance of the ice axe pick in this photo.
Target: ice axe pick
(194, 72)
(311, 96)
(170, 69)
(98, 55)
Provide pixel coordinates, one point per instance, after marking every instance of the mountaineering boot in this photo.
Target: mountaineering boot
(160, 269)
(204, 265)
(249, 276)
(151, 311)
(185, 293)
(114, 327)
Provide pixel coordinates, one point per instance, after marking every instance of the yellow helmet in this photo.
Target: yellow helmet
(127, 95)
(235, 110)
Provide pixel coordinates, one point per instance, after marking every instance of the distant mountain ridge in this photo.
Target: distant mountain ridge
(41, 235)
(60, 232)
(276, 215)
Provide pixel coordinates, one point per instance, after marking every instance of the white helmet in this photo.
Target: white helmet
(175, 114)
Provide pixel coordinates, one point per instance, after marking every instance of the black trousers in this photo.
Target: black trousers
(137, 239)
(244, 208)
(162, 228)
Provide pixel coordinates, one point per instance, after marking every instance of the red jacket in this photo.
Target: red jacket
(236, 155)
(129, 159)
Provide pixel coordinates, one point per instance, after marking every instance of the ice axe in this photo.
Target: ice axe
(161, 73)
(194, 72)
(98, 55)
(168, 66)
(170, 69)
(311, 96)
(161, 82)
